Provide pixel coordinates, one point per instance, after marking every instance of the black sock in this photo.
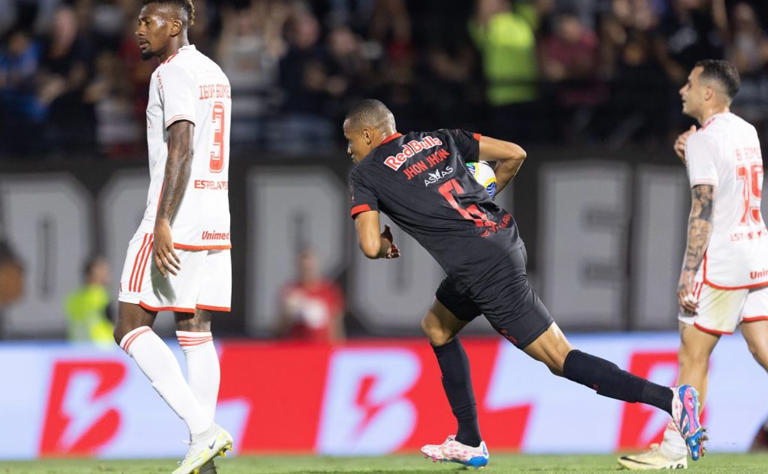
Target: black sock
(610, 381)
(458, 388)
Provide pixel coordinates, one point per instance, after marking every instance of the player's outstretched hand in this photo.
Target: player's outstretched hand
(685, 297)
(680, 142)
(392, 251)
(165, 257)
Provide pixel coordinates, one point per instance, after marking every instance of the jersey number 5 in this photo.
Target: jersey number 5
(217, 154)
(471, 212)
(752, 191)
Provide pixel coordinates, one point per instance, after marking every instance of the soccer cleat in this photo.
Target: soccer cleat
(208, 468)
(654, 458)
(204, 449)
(685, 413)
(453, 451)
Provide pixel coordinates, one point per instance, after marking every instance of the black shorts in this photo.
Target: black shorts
(504, 296)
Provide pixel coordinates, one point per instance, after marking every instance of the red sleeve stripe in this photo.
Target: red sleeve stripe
(477, 136)
(358, 209)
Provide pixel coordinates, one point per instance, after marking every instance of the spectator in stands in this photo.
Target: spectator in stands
(87, 308)
(348, 68)
(692, 30)
(312, 307)
(249, 52)
(748, 50)
(629, 61)
(506, 38)
(118, 131)
(306, 95)
(391, 28)
(569, 62)
(67, 72)
(21, 115)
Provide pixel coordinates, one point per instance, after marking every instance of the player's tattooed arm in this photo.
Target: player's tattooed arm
(509, 158)
(177, 171)
(699, 233)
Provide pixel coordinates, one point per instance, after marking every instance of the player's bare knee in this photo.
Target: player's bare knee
(118, 334)
(435, 332)
(759, 351)
(199, 321)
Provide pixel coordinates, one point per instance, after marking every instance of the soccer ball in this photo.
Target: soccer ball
(483, 174)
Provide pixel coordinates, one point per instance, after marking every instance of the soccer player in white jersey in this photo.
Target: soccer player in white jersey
(724, 279)
(179, 260)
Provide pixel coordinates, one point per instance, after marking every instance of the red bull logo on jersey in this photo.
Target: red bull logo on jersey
(409, 149)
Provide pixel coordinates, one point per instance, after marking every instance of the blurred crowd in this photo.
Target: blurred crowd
(72, 82)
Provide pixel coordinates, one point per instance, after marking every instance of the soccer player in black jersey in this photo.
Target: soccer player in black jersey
(420, 181)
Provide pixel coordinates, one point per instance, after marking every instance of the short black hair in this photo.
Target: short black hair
(185, 5)
(723, 72)
(372, 113)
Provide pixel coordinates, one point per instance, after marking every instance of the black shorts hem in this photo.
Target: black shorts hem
(535, 335)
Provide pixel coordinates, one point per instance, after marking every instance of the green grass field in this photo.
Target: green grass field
(734, 463)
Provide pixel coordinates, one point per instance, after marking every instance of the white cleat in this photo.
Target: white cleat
(453, 451)
(216, 441)
(654, 458)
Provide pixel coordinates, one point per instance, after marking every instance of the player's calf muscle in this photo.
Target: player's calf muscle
(437, 334)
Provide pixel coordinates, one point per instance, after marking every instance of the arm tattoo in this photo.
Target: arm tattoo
(699, 225)
(178, 168)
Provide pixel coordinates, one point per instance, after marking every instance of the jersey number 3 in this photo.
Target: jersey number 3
(217, 154)
(752, 177)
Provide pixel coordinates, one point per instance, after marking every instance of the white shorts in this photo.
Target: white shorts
(204, 281)
(721, 311)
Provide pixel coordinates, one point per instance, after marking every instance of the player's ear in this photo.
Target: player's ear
(709, 91)
(176, 27)
(368, 136)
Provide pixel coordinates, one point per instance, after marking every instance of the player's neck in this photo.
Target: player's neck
(384, 136)
(709, 113)
(175, 45)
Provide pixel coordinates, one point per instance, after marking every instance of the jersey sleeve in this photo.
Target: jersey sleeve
(700, 154)
(468, 144)
(362, 196)
(178, 94)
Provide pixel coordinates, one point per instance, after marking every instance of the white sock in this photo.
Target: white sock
(158, 363)
(203, 372)
(673, 445)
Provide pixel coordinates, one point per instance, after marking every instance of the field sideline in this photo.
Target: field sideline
(733, 463)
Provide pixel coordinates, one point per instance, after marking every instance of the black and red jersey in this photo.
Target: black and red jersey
(421, 182)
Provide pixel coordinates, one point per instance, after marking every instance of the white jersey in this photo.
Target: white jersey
(190, 86)
(725, 153)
